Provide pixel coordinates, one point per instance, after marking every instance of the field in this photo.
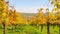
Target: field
(28, 29)
(45, 21)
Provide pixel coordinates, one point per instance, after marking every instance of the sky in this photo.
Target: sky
(29, 6)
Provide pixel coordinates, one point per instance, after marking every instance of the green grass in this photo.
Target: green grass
(27, 29)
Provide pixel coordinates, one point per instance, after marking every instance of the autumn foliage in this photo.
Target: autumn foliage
(12, 17)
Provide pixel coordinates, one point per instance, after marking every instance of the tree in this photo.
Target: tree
(4, 14)
(15, 19)
(41, 18)
(56, 3)
(12, 18)
(47, 17)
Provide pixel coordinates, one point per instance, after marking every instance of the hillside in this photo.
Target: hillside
(28, 14)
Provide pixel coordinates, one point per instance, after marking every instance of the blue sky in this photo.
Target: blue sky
(29, 6)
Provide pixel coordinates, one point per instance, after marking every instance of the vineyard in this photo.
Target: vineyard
(12, 22)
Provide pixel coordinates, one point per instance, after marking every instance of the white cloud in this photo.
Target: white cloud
(31, 10)
(27, 10)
